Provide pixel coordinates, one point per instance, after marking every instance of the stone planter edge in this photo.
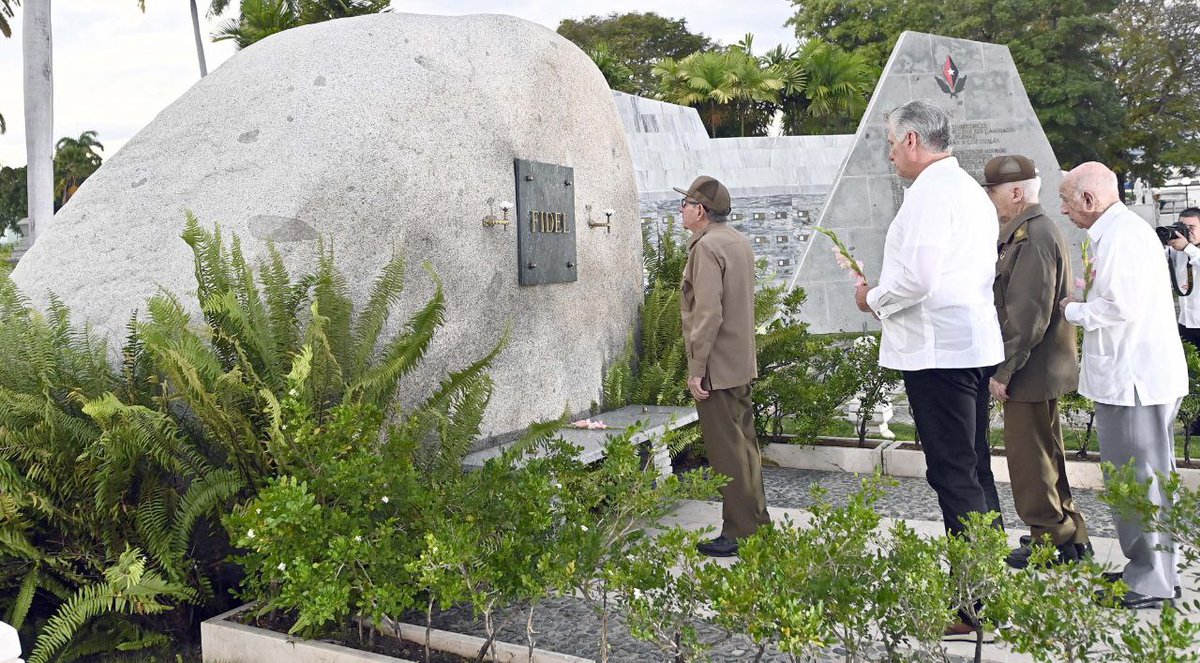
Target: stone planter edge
(828, 458)
(899, 462)
(225, 641)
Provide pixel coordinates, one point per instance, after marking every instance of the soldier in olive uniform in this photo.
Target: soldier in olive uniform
(717, 309)
(1033, 273)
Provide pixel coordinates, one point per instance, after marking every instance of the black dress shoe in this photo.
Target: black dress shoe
(722, 546)
(1135, 601)
(1113, 576)
(1068, 553)
(1084, 550)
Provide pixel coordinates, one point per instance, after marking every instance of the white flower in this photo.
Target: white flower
(384, 499)
(558, 485)
(250, 534)
(583, 527)
(258, 511)
(357, 539)
(293, 393)
(282, 566)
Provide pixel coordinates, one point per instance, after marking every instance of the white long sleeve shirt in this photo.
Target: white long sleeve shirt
(1131, 349)
(934, 297)
(1189, 304)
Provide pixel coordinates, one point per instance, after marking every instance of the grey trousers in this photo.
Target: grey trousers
(1143, 434)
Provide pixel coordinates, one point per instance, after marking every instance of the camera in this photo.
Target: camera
(1167, 233)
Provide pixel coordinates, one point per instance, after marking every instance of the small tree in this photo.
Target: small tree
(1065, 612)
(605, 513)
(1189, 407)
(660, 589)
(874, 381)
(759, 596)
(803, 379)
(978, 573)
(1075, 407)
(912, 595)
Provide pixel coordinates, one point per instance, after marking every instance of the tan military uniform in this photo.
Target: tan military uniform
(1033, 273)
(717, 307)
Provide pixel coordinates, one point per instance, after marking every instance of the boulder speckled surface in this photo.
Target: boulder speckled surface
(382, 134)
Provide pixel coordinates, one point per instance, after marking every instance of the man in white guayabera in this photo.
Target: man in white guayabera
(934, 300)
(1133, 366)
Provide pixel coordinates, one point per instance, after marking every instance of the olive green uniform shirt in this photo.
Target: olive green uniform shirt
(717, 307)
(1033, 273)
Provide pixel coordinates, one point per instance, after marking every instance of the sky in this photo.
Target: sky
(116, 68)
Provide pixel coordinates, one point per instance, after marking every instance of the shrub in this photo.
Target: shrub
(97, 462)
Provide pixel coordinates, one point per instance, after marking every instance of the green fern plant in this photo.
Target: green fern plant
(96, 459)
(128, 588)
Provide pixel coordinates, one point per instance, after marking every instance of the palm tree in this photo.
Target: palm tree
(74, 160)
(262, 18)
(199, 41)
(616, 74)
(839, 83)
(756, 84)
(37, 57)
(6, 12)
(712, 81)
(700, 80)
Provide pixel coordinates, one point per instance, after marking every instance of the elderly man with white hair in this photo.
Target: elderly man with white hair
(1040, 364)
(1133, 365)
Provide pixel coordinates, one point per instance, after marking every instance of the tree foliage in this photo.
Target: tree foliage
(260, 19)
(616, 74)
(6, 12)
(128, 468)
(1055, 46)
(14, 197)
(1156, 71)
(729, 87)
(75, 159)
(636, 40)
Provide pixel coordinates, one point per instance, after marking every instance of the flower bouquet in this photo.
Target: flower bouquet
(842, 255)
(1084, 284)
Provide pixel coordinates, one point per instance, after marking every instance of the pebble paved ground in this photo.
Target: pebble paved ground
(910, 498)
(569, 625)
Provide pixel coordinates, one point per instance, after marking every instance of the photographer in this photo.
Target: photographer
(1184, 256)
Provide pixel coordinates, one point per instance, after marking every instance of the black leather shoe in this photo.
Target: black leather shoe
(1068, 553)
(722, 546)
(1136, 601)
(1084, 550)
(1113, 576)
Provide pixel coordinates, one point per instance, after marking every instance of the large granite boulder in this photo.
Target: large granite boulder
(381, 134)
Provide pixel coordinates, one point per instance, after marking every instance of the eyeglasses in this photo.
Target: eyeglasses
(685, 202)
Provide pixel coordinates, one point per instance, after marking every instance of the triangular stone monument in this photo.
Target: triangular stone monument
(979, 84)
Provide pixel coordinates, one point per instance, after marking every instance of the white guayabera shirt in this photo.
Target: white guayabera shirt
(934, 296)
(10, 644)
(1131, 349)
(1189, 304)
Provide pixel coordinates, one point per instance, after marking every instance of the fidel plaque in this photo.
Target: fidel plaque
(545, 223)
